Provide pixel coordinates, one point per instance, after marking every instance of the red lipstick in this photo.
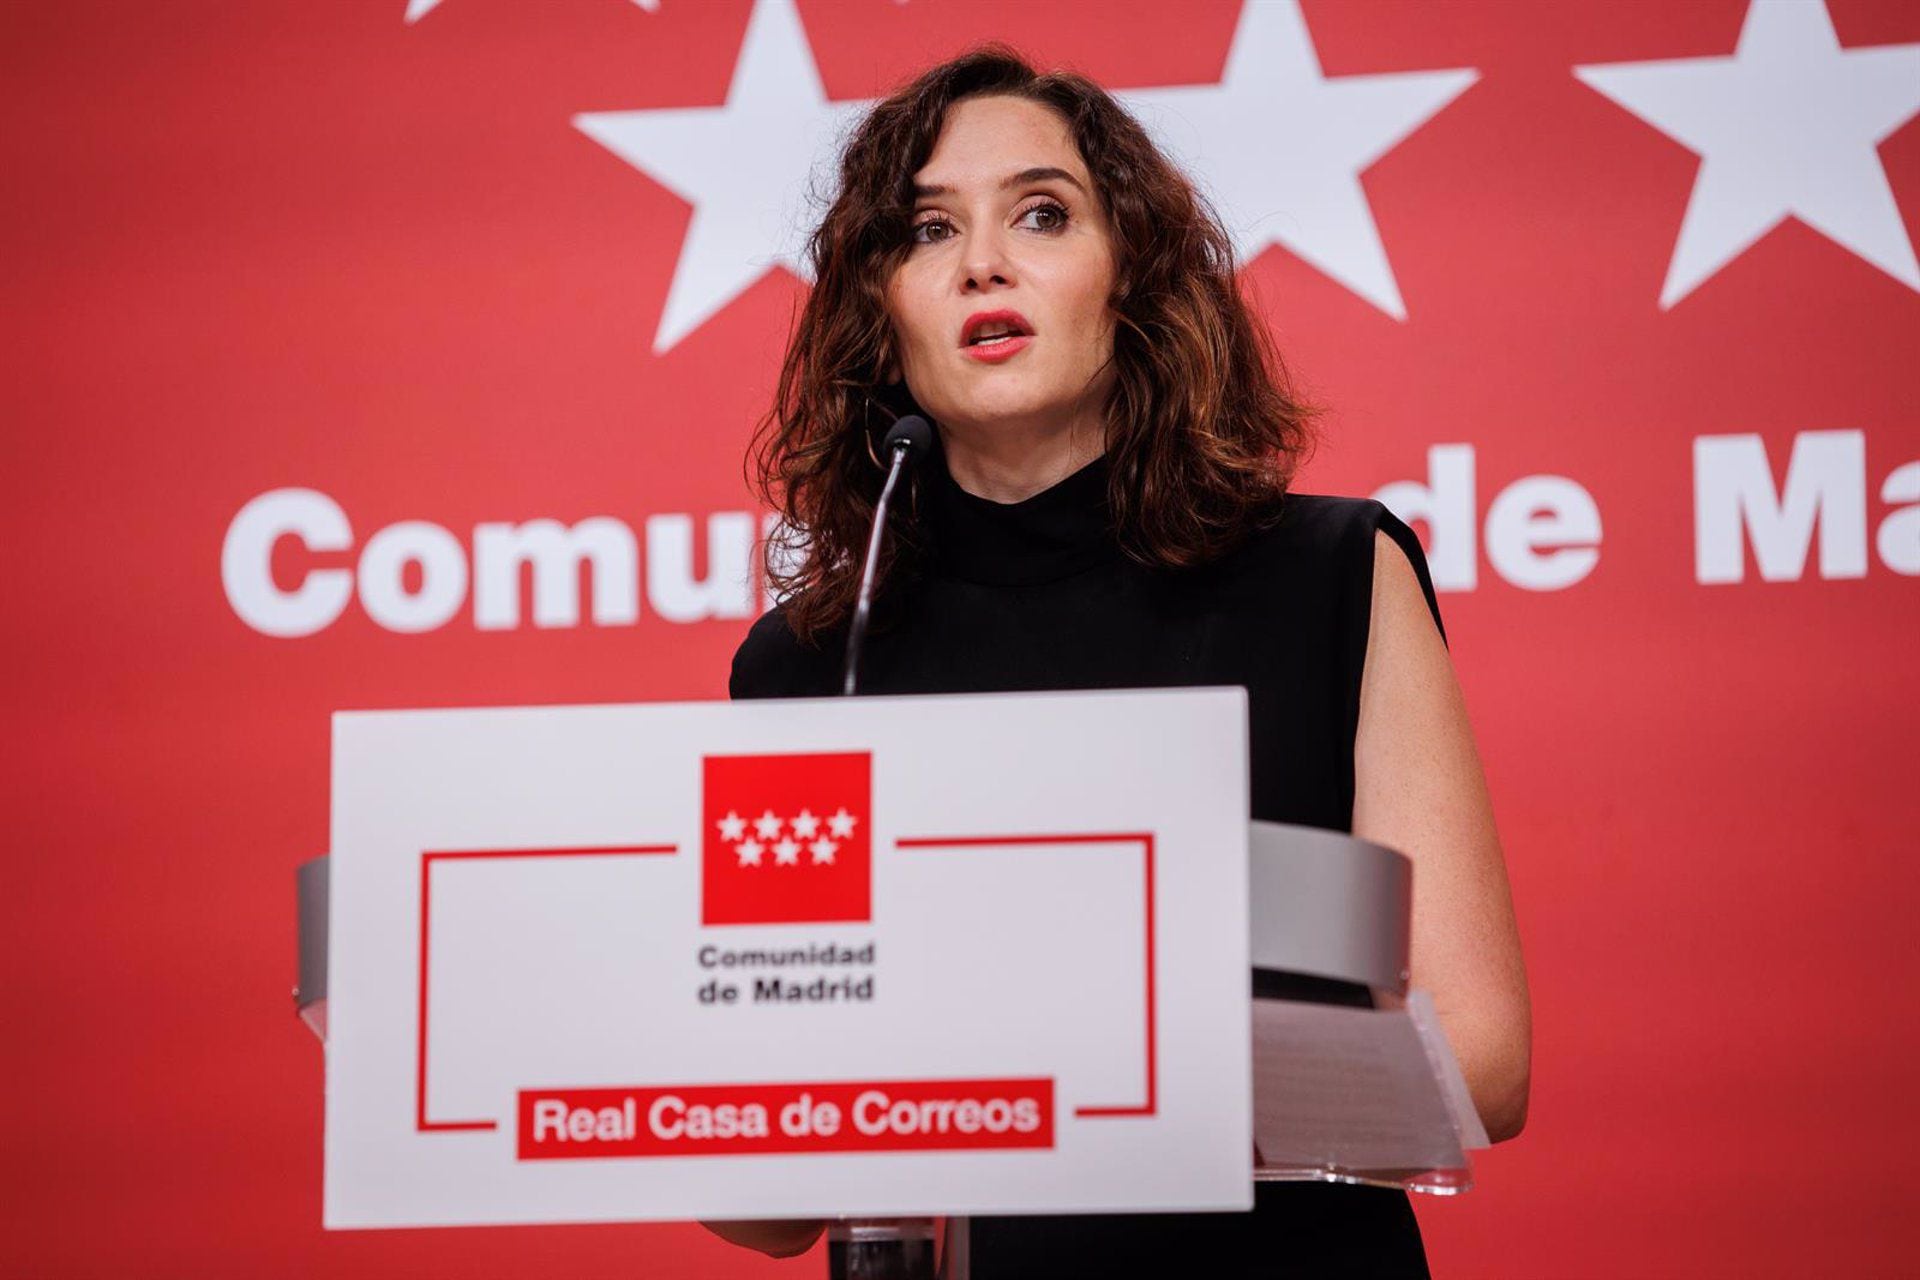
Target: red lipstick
(1018, 333)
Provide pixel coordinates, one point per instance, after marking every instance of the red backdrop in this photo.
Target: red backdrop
(326, 247)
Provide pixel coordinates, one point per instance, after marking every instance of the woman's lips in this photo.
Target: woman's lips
(1004, 349)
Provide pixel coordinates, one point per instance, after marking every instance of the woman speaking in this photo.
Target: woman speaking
(1107, 504)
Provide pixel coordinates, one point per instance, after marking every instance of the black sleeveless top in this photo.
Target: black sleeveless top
(1037, 595)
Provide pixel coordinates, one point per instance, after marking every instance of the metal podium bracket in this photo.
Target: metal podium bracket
(1326, 905)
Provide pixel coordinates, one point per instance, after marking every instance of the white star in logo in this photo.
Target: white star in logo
(749, 851)
(1280, 147)
(732, 827)
(744, 167)
(805, 825)
(768, 825)
(418, 9)
(841, 824)
(1786, 126)
(823, 850)
(786, 853)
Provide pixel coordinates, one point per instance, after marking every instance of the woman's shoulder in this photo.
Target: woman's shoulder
(1327, 543)
(1313, 532)
(1328, 521)
(774, 662)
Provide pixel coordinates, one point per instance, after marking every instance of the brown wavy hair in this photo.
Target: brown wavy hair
(1204, 432)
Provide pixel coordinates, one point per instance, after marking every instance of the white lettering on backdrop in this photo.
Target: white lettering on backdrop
(555, 553)
(1542, 532)
(1539, 533)
(1735, 502)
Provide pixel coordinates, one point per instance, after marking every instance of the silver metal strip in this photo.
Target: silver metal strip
(1328, 905)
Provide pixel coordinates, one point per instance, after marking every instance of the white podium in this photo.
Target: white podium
(854, 958)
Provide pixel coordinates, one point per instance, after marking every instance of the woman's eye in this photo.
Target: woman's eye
(1056, 211)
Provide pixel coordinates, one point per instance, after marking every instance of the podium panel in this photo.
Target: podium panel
(958, 954)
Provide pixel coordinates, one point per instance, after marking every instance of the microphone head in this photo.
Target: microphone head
(912, 434)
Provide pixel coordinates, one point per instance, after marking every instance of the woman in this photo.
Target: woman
(1107, 505)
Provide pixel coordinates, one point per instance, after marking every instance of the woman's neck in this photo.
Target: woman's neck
(1008, 466)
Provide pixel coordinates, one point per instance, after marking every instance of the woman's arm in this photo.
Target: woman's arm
(1418, 788)
(775, 1237)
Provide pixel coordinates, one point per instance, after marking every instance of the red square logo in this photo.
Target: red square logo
(787, 839)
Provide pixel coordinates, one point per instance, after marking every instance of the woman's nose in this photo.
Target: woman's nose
(985, 261)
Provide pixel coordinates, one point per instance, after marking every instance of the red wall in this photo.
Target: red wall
(270, 246)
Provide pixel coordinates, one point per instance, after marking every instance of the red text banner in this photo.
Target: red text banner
(756, 1119)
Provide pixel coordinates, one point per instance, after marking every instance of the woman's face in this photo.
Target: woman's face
(1006, 219)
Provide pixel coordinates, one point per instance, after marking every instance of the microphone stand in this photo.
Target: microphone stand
(907, 439)
(889, 1248)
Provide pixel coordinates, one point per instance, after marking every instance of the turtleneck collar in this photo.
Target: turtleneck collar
(1053, 534)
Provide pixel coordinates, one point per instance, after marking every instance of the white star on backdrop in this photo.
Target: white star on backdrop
(1280, 147)
(1787, 125)
(744, 167)
(732, 827)
(823, 850)
(418, 9)
(768, 824)
(786, 853)
(841, 824)
(805, 825)
(750, 851)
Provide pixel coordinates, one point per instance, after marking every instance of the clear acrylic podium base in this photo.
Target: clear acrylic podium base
(1437, 1182)
(1368, 1096)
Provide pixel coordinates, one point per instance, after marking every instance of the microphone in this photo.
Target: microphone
(907, 441)
(864, 1247)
